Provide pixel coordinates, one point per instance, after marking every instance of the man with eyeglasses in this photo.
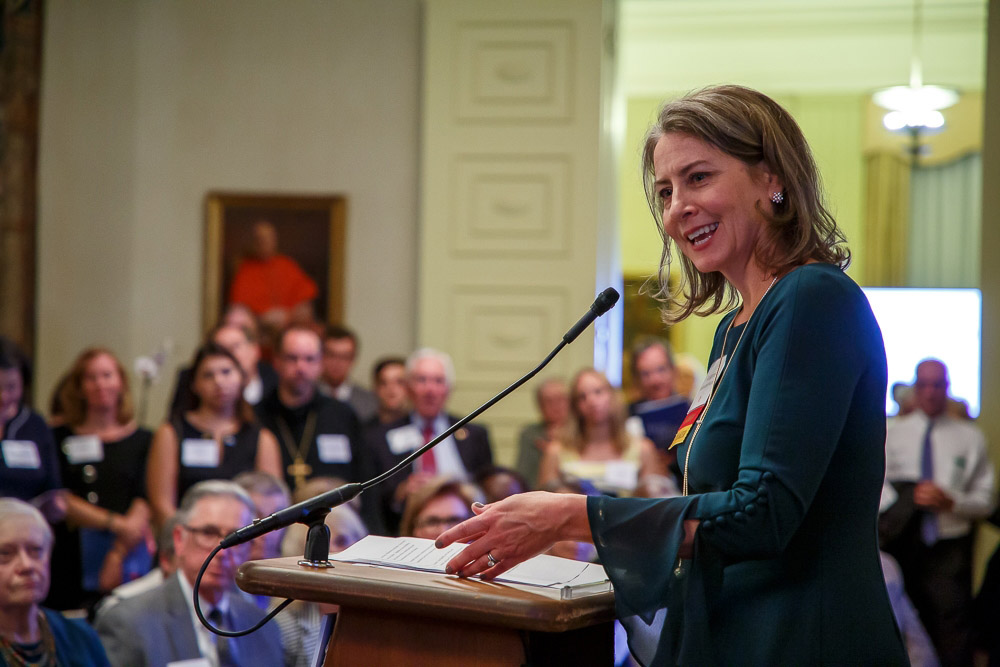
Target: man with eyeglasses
(943, 478)
(160, 626)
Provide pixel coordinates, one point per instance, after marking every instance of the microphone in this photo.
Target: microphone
(602, 304)
(307, 510)
(312, 511)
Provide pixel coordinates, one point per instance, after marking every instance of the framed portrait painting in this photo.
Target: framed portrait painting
(273, 252)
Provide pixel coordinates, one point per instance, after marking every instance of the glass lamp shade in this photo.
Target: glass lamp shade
(915, 106)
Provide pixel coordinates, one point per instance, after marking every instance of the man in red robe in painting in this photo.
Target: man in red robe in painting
(272, 285)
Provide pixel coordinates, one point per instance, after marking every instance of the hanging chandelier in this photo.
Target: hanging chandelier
(915, 107)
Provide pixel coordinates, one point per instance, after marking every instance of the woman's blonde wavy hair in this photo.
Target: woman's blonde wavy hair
(754, 129)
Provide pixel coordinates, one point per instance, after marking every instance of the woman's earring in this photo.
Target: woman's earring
(778, 197)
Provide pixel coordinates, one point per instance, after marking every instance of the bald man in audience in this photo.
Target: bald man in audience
(430, 377)
(943, 479)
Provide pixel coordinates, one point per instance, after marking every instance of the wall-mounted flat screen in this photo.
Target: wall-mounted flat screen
(918, 323)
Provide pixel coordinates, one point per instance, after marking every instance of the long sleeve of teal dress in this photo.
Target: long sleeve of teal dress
(785, 475)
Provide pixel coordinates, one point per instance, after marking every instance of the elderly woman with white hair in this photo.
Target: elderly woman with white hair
(29, 634)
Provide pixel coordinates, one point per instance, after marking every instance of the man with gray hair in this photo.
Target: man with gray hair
(160, 626)
(430, 376)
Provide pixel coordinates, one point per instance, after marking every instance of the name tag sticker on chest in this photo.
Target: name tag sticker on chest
(621, 474)
(199, 453)
(334, 448)
(21, 454)
(193, 662)
(699, 402)
(81, 449)
(404, 439)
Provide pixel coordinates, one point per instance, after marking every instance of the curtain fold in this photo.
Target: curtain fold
(887, 213)
(945, 221)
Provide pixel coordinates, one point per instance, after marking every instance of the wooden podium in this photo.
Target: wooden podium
(402, 617)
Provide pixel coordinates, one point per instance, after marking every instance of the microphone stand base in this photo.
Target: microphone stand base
(318, 564)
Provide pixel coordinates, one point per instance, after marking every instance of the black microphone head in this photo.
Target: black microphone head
(605, 300)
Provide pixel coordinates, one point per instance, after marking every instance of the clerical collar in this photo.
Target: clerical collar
(299, 413)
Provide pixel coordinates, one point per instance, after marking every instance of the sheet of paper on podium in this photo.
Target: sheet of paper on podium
(572, 578)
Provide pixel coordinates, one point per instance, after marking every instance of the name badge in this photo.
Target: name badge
(334, 448)
(404, 439)
(634, 427)
(700, 399)
(200, 453)
(193, 662)
(83, 449)
(621, 474)
(21, 454)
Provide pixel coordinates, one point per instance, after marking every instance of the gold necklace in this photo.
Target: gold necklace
(299, 469)
(718, 383)
(42, 656)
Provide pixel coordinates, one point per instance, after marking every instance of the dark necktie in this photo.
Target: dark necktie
(929, 523)
(427, 461)
(223, 645)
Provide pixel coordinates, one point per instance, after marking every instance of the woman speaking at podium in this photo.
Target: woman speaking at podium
(770, 557)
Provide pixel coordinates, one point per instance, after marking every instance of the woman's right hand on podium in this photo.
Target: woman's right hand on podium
(513, 530)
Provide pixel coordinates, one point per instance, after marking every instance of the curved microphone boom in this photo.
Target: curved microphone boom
(313, 510)
(298, 512)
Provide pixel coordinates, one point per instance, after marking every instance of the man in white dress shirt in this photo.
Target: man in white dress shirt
(942, 461)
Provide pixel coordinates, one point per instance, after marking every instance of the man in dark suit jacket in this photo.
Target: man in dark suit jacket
(429, 378)
(159, 627)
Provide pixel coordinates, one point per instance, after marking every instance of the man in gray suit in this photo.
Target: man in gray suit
(159, 627)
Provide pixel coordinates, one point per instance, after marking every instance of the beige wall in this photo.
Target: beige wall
(146, 106)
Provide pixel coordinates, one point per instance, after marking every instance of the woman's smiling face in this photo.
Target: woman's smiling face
(710, 201)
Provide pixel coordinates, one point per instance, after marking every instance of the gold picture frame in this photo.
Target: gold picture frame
(311, 230)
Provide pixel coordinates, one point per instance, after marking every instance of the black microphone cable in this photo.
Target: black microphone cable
(282, 518)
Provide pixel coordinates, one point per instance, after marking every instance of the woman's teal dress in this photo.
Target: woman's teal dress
(785, 476)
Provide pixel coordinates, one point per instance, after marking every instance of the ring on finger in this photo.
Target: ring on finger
(490, 559)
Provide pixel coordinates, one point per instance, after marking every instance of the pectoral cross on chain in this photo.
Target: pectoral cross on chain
(300, 470)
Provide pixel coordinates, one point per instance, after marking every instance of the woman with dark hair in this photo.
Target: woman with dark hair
(29, 466)
(217, 437)
(595, 447)
(103, 460)
(770, 556)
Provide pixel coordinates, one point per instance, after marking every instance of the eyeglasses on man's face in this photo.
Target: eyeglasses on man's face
(208, 537)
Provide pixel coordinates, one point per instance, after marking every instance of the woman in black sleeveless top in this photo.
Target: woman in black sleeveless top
(215, 438)
(102, 457)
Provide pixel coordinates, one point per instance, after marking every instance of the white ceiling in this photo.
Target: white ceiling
(796, 46)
